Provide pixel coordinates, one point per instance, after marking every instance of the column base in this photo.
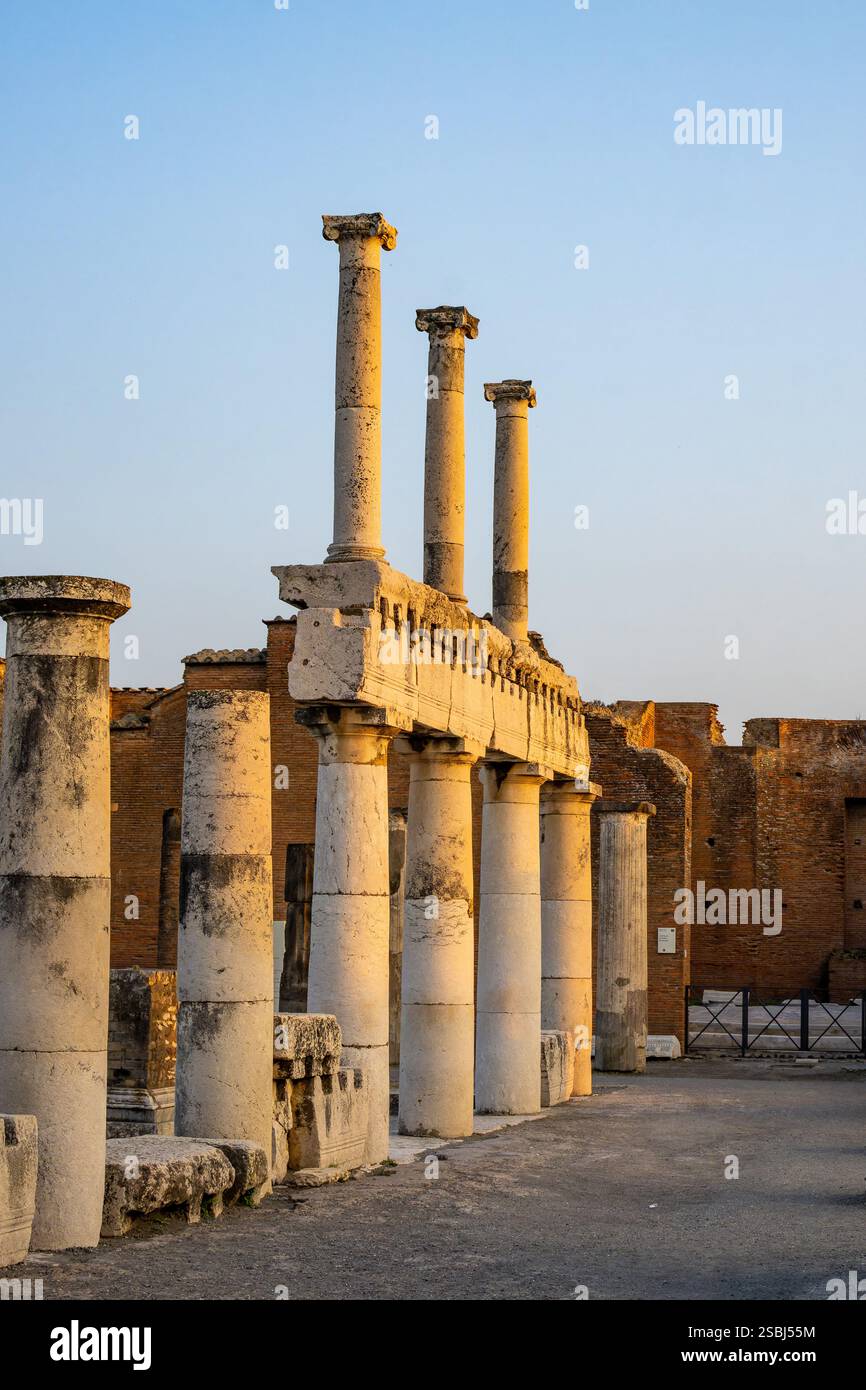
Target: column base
(339, 553)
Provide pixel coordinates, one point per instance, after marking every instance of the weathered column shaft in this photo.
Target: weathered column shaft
(508, 1055)
(438, 1014)
(566, 920)
(225, 1031)
(349, 929)
(55, 894)
(512, 401)
(444, 450)
(621, 1009)
(358, 386)
(397, 873)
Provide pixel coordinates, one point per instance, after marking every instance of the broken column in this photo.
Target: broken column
(358, 393)
(508, 1080)
(621, 1009)
(512, 401)
(444, 451)
(438, 1016)
(566, 920)
(349, 931)
(225, 964)
(55, 888)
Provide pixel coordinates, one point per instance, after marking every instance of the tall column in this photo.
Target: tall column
(225, 983)
(349, 930)
(438, 1014)
(566, 920)
(512, 401)
(444, 450)
(397, 878)
(508, 1056)
(621, 1011)
(358, 387)
(55, 896)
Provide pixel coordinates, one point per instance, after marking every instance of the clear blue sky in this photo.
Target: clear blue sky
(155, 257)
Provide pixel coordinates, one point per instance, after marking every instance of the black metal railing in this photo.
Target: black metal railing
(805, 1039)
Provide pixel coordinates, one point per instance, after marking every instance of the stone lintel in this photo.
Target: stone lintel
(360, 224)
(511, 389)
(559, 786)
(607, 806)
(64, 593)
(446, 319)
(433, 742)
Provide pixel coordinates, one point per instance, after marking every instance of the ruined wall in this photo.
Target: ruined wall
(629, 768)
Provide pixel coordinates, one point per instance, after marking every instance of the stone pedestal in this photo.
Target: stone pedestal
(566, 920)
(444, 451)
(358, 389)
(55, 888)
(512, 401)
(507, 1079)
(225, 951)
(621, 1009)
(349, 932)
(438, 1016)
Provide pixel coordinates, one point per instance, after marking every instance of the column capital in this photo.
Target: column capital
(64, 593)
(349, 733)
(607, 806)
(428, 745)
(447, 318)
(367, 225)
(559, 796)
(511, 389)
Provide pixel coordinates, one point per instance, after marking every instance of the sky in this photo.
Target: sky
(699, 366)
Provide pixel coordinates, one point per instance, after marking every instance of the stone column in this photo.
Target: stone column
(566, 920)
(438, 1014)
(55, 895)
(444, 449)
(349, 930)
(397, 876)
(621, 1010)
(512, 401)
(358, 395)
(508, 1055)
(225, 983)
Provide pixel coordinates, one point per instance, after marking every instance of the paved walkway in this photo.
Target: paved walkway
(624, 1193)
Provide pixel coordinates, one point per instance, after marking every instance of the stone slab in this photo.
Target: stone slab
(557, 1067)
(329, 1121)
(252, 1170)
(149, 1173)
(306, 1045)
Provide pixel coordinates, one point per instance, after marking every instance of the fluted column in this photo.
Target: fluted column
(621, 1009)
(55, 811)
(358, 385)
(566, 919)
(225, 973)
(512, 401)
(448, 328)
(438, 1013)
(508, 1066)
(349, 929)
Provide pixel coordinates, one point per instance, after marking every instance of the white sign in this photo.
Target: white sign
(667, 941)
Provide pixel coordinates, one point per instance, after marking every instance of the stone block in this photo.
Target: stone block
(282, 1123)
(252, 1170)
(151, 1173)
(329, 1121)
(557, 1067)
(306, 1045)
(142, 1049)
(18, 1163)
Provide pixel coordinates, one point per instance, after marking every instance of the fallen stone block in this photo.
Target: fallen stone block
(252, 1170)
(150, 1173)
(557, 1067)
(306, 1045)
(18, 1163)
(282, 1123)
(317, 1177)
(329, 1121)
